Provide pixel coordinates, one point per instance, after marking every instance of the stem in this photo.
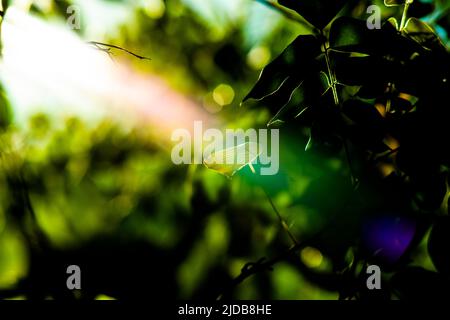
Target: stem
(332, 78)
(330, 71)
(262, 264)
(405, 15)
(282, 222)
(336, 102)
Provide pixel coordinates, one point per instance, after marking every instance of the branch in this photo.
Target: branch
(253, 268)
(262, 264)
(100, 44)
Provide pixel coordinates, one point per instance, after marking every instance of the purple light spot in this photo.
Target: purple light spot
(388, 237)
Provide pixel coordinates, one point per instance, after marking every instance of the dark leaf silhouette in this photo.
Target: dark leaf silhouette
(438, 245)
(318, 13)
(296, 62)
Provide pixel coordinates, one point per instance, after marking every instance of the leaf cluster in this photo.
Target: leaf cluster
(379, 99)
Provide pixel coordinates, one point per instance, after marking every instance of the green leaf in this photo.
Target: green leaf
(280, 97)
(291, 108)
(224, 161)
(305, 95)
(393, 22)
(423, 34)
(349, 34)
(352, 35)
(296, 62)
(317, 12)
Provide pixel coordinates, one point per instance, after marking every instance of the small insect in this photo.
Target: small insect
(230, 160)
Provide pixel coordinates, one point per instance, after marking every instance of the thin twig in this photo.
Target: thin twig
(263, 264)
(105, 50)
(334, 82)
(331, 74)
(280, 218)
(260, 266)
(97, 44)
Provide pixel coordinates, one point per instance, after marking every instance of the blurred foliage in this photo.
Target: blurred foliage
(370, 110)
